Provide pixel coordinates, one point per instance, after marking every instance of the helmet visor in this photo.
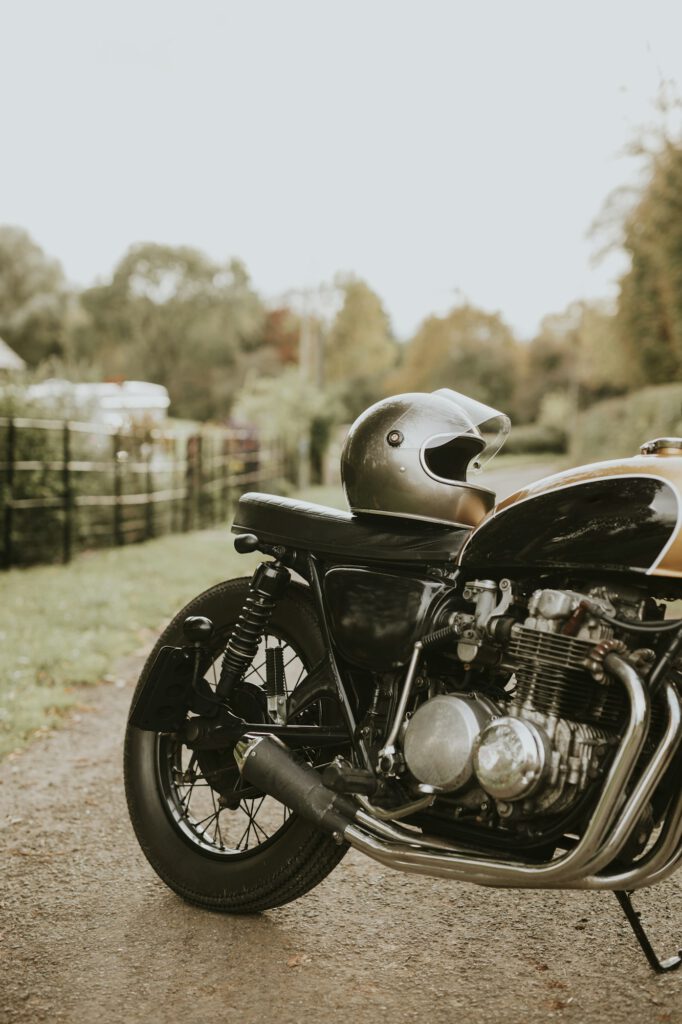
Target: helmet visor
(486, 422)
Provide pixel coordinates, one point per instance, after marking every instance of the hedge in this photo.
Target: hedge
(617, 427)
(535, 439)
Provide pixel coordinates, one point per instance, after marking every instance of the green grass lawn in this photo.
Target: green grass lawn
(67, 625)
(64, 626)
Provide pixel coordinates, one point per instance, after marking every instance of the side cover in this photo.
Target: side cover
(376, 617)
(621, 516)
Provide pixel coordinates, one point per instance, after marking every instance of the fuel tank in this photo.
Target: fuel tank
(621, 516)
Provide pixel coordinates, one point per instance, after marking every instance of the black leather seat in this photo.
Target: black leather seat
(329, 531)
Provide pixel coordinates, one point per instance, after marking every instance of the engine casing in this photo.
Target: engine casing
(567, 717)
(439, 741)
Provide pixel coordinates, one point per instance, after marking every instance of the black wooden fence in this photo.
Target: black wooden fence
(67, 486)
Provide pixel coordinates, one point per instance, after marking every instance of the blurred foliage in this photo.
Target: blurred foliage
(282, 333)
(467, 349)
(360, 349)
(536, 439)
(650, 302)
(36, 308)
(292, 410)
(618, 426)
(576, 353)
(172, 316)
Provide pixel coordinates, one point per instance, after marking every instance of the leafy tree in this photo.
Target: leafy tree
(34, 300)
(294, 412)
(360, 347)
(467, 349)
(173, 316)
(282, 332)
(650, 302)
(578, 353)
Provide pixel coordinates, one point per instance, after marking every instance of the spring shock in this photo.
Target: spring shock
(266, 587)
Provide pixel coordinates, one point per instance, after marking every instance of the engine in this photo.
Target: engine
(532, 744)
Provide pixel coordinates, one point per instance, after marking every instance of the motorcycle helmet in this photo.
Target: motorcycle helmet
(408, 456)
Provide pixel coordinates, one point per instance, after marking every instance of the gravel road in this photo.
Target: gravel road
(89, 934)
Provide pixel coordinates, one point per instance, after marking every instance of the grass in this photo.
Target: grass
(64, 626)
(67, 626)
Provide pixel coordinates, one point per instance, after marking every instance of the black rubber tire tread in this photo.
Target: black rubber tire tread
(287, 868)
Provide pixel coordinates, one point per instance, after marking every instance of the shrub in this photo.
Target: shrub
(536, 439)
(618, 426)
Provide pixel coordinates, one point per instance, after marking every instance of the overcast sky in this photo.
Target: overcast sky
(437, 148)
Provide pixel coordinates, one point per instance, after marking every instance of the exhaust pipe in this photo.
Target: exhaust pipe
(267, 764)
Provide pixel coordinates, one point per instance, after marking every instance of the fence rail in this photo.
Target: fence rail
(66, 486)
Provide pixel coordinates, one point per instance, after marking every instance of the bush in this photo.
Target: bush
(618, 426)
(536, 439)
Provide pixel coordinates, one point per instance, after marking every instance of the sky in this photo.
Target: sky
(443, 150)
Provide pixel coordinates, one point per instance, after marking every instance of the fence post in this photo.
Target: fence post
(149, 508)
(67, 493)
(190, 482)
(225, 477)
(9, 492)
(118, 532)
(201, 504)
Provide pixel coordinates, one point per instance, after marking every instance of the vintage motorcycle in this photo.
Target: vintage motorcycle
(485, 693)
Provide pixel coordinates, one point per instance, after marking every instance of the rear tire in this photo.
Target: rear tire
(296, 857)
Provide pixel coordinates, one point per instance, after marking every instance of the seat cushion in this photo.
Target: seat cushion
(329, 531)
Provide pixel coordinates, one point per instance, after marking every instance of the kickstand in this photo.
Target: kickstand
(633, 916)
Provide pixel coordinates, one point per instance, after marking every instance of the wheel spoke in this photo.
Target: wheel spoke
(203, 789)
(217, 820)
(244, 835)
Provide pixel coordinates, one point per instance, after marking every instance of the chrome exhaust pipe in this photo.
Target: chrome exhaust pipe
(559, 873)
(658, 765)
(267, 764)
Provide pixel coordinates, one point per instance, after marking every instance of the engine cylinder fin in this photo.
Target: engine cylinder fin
(551, 676)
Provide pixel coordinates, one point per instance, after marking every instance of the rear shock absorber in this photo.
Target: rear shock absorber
(267, 585)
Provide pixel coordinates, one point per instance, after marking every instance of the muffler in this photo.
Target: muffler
(266, 763)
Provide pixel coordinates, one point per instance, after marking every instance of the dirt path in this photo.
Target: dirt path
(88, 934)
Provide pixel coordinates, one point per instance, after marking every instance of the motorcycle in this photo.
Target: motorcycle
(482, 692)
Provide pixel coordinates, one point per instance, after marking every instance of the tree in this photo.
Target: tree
(34, 300)
(577, 352)
(293, 411)
(469, 350)
(282, 331)
(360, 347)
(173, 316)
(649, 314)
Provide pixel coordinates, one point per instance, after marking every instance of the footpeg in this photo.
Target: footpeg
(344, 778)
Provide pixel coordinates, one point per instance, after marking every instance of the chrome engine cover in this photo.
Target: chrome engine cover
(439, 740)
(569, 710)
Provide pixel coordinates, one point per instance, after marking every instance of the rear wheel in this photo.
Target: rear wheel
(212, 838)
